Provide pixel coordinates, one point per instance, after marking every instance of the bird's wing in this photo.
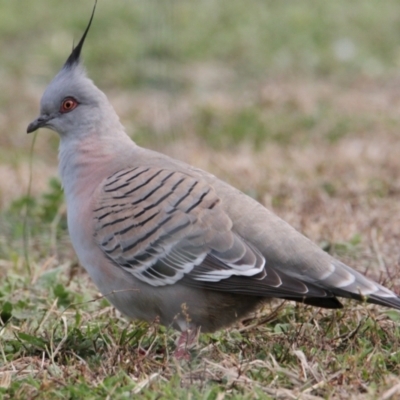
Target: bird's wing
(164, 226)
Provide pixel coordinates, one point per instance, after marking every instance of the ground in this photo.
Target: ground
(296, 104)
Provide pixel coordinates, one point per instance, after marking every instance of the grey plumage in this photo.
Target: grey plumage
(157, 235)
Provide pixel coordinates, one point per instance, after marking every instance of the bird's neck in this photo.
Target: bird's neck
(85, 162)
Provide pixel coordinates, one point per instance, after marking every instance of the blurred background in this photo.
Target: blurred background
(296, 103)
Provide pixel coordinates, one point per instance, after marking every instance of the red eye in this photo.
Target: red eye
(68, 105)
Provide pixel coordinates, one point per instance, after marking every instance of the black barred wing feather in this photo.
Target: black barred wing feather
(165, 226)
(162, 225)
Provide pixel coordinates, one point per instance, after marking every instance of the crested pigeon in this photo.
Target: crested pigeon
(162, 239)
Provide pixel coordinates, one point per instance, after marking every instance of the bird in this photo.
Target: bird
(166, 241)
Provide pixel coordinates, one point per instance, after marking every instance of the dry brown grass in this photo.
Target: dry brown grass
(332, 191)
(326, 159)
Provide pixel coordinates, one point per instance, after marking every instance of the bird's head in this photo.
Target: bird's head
(71, 102)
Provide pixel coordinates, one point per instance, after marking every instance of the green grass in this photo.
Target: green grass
(64, 345)
(296, 103)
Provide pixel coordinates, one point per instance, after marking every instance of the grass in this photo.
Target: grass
(295, 103)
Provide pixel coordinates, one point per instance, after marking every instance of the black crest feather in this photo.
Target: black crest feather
(76, 52)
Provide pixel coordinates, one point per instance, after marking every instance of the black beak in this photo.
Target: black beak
(37, 123)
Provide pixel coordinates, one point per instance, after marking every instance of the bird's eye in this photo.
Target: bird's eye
(68, 104)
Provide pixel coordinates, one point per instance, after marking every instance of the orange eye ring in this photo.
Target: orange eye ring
(68, 104)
